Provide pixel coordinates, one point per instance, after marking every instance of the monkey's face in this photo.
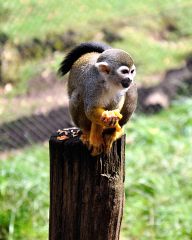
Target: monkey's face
(121, 77)
(126, 75)
(117, 68)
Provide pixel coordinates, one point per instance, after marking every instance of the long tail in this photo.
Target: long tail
(77, 52)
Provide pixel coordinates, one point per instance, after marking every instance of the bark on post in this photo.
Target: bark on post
(87, 193)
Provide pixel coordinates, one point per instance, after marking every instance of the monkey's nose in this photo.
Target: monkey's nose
(126, 82)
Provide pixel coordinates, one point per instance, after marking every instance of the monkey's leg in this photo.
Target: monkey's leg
(112, 119)
(102, 119)
(109, 138)
(85, 137)
(96, 139)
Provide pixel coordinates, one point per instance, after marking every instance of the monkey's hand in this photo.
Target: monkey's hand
(110, 119)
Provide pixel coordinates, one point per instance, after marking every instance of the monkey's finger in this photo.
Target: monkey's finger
(104, 119)
(115, 120)
(110, 123)
(118, 114)
(107, 121)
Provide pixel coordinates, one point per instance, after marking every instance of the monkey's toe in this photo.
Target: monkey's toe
(85, 138)
(96, 144)
(96, 150)
(109, 139)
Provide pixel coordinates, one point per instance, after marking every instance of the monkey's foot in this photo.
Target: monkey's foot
(96, 145)
(85, 138)
(96, 150)
(111, 118)
(110, 138)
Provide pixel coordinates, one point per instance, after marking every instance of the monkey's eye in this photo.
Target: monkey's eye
(132, 71)
(124, 71)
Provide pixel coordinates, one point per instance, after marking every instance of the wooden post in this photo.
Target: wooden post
(87, 193)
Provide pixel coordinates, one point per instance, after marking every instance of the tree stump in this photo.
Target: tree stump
(86, 193)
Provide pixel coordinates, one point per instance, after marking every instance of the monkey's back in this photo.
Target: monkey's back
(79, 73)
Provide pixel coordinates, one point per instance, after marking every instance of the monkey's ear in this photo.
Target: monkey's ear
(103, 67)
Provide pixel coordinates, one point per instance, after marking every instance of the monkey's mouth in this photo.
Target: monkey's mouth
(126, 82)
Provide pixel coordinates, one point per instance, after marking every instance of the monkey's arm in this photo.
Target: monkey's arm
(127, 110)
(129, 105)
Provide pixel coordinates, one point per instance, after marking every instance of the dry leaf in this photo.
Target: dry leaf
(62, 138)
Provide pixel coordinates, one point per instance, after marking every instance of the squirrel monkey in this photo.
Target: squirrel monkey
(102, 93)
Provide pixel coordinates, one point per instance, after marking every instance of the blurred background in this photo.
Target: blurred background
(34, 38)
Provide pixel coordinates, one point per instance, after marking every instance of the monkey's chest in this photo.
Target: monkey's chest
(111, 100)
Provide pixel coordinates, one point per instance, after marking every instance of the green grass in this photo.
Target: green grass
(31, 69)
(151, 56)
(142, 25)
(158, 175)
(158, 182)
(24, 195)
(29, 18)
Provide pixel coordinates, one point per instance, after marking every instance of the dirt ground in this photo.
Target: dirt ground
(44, 94)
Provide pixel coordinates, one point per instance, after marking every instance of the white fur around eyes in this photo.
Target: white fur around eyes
(122, 68)
(128, 74)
